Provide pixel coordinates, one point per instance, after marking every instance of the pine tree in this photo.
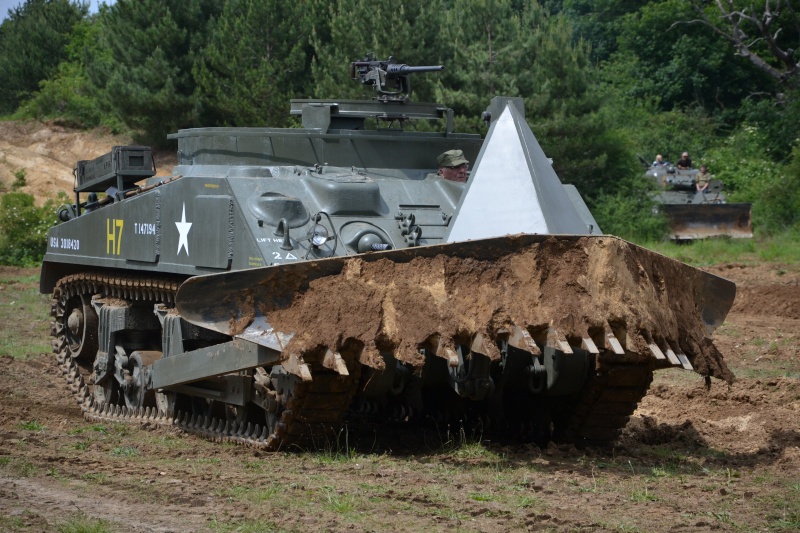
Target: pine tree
(32, 44)
(407, 30)
(257, 59)
(148, 72)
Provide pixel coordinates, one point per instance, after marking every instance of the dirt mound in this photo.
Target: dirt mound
(748, 417)
(764, 290)
(48, 152)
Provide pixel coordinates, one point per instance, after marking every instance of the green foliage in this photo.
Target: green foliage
(778, 119)
(148, 69)
(65, 96)
(347, 30)
(32, 44)
(23, 229)
(744, 165)
(19, 180)
(255, 62)
(683, 63)
(32, 425)
(630, 214)
(602, 81)
(69, 95)
(782, 247)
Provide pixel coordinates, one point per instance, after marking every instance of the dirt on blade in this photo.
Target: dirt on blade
(579, 287)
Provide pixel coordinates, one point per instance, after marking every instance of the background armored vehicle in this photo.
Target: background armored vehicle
(697, 215)
(285, 280)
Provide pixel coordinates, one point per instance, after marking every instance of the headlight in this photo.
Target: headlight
(318, 235)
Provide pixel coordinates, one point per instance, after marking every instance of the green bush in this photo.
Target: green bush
(23, 229)
(19, 180)
(749, 174)
(630, 215)
(65, 96)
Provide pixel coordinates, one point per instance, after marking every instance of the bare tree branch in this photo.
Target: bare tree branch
(733, 24)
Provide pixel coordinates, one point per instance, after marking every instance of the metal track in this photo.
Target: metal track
(608, 401)
(314, 408)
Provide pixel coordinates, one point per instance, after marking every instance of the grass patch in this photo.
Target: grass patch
(785, 515)
(782, 248)
(125, 451)
(32, 425)
(255, 495)
(98, 478)
(24, 468)
(640, 496)
(12, 523)
(84, 524)
(224, 525)
(97, 428)
(340, 503)
(25, 316)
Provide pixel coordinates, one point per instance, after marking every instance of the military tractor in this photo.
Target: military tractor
(693, 214)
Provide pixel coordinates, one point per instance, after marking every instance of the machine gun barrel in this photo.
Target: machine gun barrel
(390, 79)
(395, 69)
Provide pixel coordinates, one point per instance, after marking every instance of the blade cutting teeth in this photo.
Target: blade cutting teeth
(589, 345)
(333, 361)
(672, 357)
(612, 343)
(452, 357)
(445, 351)
(519, 338)
(685, 361)
(557, 341)
(656, 351)
(482, 344)
(297, 366)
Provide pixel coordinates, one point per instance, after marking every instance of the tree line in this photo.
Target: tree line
(602, 81)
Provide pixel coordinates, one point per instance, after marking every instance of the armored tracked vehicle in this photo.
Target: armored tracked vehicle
(697, 215)
(284, 281)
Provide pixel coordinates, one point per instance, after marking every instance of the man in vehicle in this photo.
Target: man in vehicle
(659, 162)
(702, 179)
(453, 166)
(685, 162)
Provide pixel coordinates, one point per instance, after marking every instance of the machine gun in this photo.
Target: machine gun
(388, 77)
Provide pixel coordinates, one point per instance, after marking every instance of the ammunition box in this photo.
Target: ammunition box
(121, 168)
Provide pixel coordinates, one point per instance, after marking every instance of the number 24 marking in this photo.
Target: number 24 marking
(277, 256)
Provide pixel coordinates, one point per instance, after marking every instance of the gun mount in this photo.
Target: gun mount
(393, 105)
(390, 79)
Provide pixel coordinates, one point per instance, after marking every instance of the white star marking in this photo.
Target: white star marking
(183, 230)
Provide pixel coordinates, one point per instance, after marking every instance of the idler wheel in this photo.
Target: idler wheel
(80, 331)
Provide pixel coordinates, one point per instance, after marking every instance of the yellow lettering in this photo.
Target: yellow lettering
(111, 237)
(114, 235)
(120, 223)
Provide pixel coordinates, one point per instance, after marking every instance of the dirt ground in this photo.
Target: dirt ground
(724, 458)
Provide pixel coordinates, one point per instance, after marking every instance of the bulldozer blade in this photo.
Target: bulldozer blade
(700, 221)
(398, 300)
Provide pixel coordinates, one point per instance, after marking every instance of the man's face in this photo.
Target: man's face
(458, 173)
